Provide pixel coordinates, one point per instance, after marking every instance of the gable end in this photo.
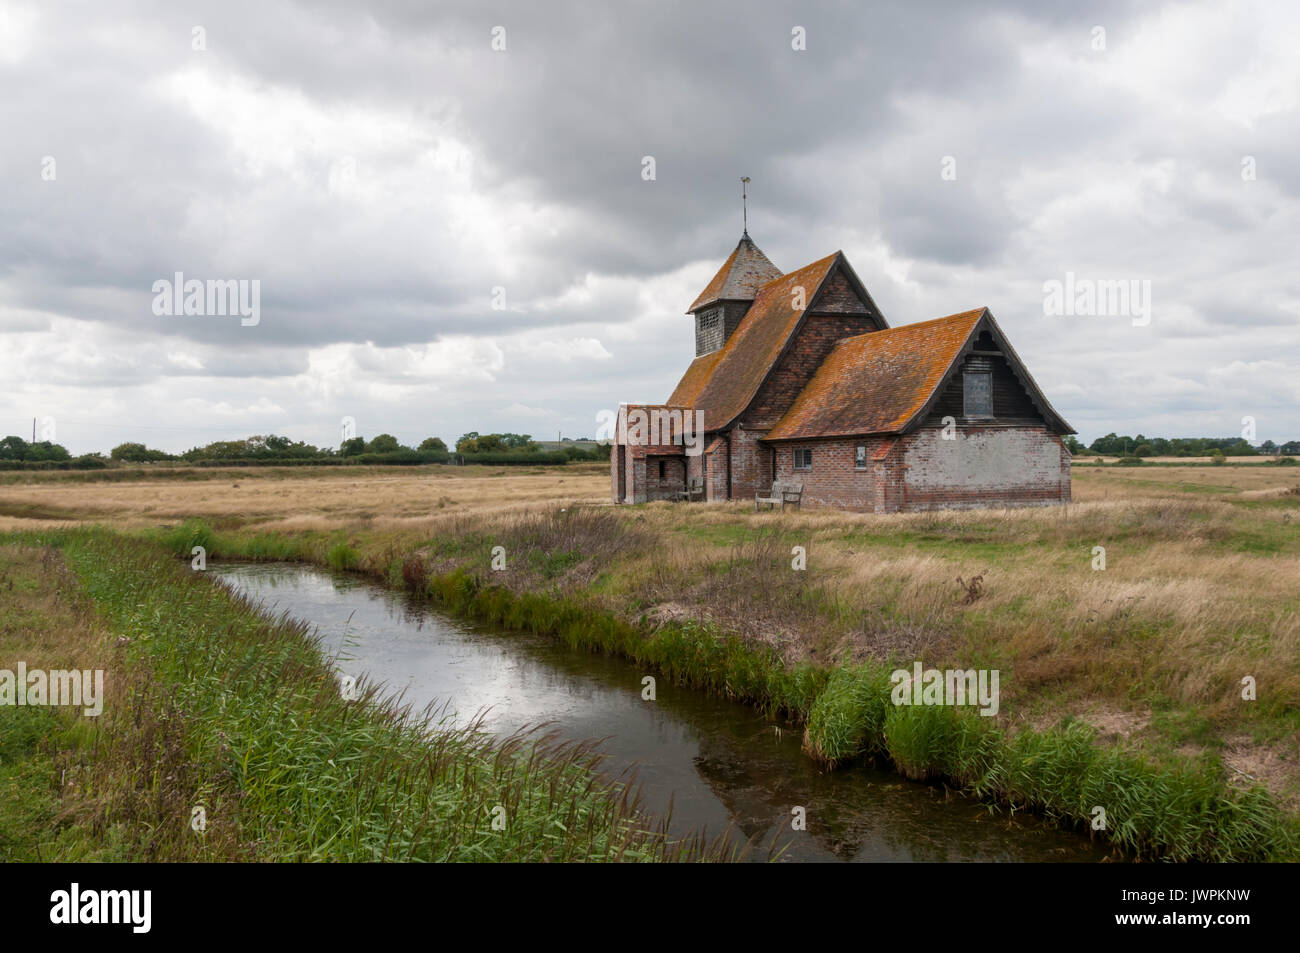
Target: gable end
(1015, 396)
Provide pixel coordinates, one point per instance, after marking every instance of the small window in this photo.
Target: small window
(803, 459)
(977, 394)
(860, 457)
(708, 331)
(662, 466)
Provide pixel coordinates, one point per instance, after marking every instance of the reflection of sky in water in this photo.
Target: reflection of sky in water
(716, 762)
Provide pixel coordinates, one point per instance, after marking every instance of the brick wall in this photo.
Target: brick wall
(695, 466)
(673, 480)
(984, 466)
(715, 472)
(814, 340)
(618, 473)
(634, 466)
(887, 464)
(751, 464)
(832, 480)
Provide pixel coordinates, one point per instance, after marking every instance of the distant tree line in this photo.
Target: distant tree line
(1113, 445)
(17, 454)
(16, 448)
(473, 447)
(521, 448)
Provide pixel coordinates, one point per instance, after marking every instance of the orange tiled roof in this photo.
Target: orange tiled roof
(740, 277)
(723, 383)
(693, 381)
(877, 382)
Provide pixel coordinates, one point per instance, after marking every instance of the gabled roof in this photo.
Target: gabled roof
(724, 382)
(740, 276)
(697, 375)
(886, 381)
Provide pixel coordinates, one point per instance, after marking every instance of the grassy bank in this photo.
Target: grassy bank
(1200, 588)
(561, 567)
(212, 706)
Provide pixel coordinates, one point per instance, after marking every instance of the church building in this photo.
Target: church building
(798, 377)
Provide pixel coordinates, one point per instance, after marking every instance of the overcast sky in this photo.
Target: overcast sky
(381, 173)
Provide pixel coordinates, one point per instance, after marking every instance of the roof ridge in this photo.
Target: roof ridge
(914, 324)
(790, 274)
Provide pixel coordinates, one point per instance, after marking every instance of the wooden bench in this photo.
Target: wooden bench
(783, 492)
(694, 490)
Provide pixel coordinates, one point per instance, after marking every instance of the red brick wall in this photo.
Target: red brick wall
(832, 480)
(813, 342)
(634, 467)
(887, 464)
(751, 464)
(695, 466)
(715, 476)
(674, 479)
(984, 467)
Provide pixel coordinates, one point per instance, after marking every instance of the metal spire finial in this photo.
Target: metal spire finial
(744, 201)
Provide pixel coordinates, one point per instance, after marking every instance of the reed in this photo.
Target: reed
(219, 707)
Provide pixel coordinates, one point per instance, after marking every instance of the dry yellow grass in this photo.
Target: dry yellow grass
(299, 498)
(323, 497)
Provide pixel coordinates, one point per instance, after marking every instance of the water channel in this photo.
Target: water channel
(720, 764)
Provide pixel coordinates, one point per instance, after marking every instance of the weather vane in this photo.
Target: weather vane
(744, 200)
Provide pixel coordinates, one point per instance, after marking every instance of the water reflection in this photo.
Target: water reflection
(718, 764)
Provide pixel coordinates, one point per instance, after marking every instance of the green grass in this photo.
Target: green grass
(1184, 812)
(241, 714)
(847, 720)
(718, 534)
(1178, 812)
(25, 791)
(342, 556)
(1179, 808)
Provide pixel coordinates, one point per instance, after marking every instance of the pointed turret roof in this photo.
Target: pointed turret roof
(740, 276)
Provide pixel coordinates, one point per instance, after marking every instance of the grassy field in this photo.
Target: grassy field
(1146, 656)
(286, 498)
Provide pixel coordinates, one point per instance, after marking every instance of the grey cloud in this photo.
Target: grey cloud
(843, 143)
